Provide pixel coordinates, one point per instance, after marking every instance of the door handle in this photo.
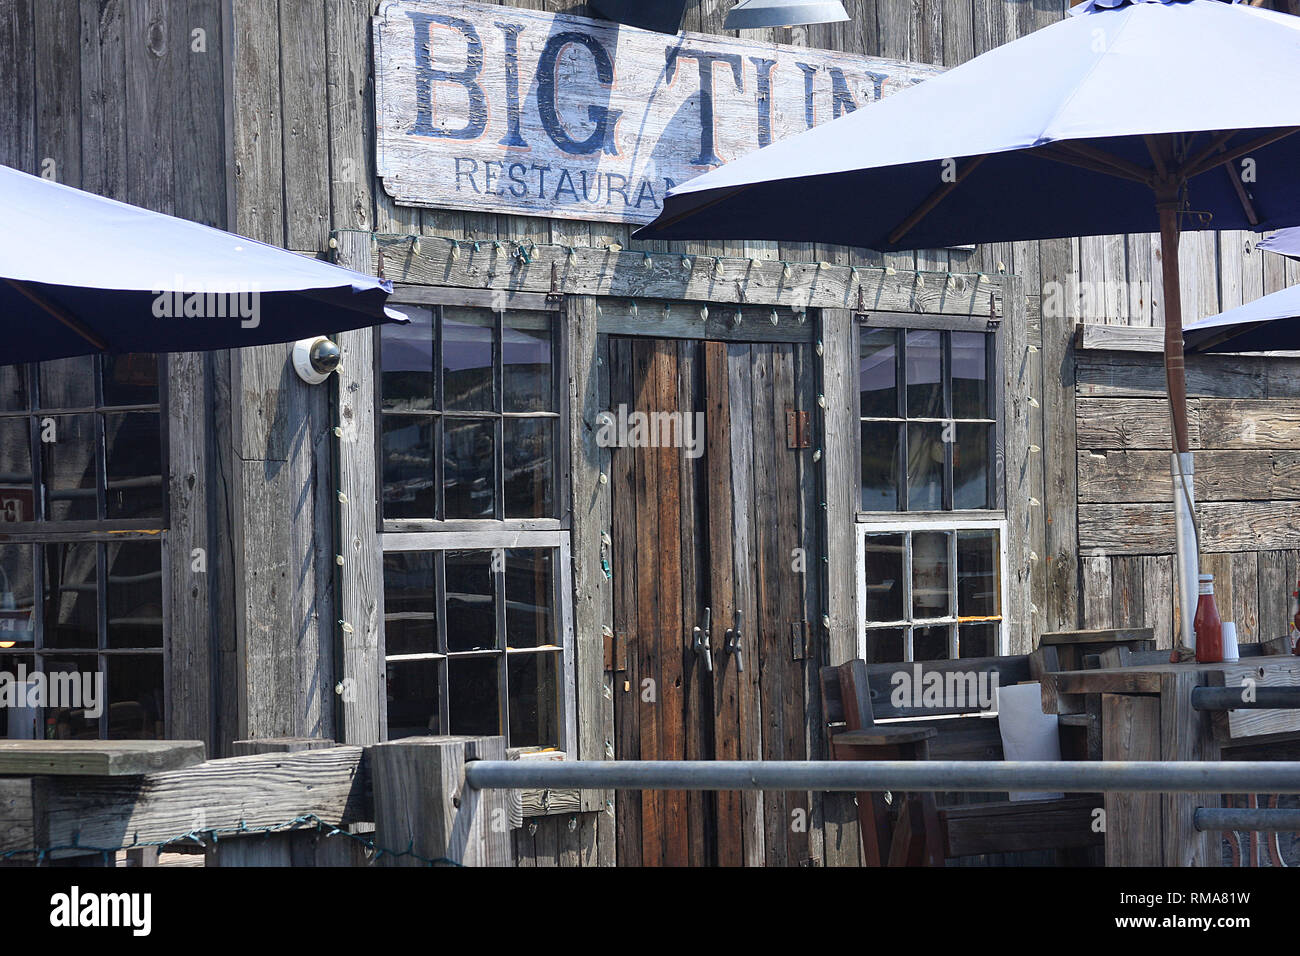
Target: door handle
(733, 643)
(700, 645)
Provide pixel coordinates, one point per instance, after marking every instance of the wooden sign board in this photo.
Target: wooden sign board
(497, 109)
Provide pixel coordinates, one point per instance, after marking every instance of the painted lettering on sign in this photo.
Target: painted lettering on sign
(495, 109)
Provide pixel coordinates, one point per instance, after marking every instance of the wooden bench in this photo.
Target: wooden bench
(915, 829)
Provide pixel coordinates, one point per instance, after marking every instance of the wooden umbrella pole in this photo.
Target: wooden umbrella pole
(1175, 370)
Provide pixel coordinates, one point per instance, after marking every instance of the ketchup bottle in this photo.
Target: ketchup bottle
(1208, 626)
(1295, 622)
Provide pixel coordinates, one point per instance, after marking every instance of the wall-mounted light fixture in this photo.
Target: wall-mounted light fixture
(754, 14)
(316, 359)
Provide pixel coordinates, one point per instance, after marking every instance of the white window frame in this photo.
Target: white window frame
(952, 521)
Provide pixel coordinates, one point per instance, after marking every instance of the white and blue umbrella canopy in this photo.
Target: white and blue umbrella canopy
(81, 274)
(1049, 136)
(1269, 324)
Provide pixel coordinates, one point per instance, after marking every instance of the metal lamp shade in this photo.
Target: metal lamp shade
(662, 16)
(752, 14)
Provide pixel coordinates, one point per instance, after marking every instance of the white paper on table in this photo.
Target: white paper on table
(1027, 732)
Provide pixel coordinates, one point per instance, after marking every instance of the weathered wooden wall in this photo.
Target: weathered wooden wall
(1246, 436)
(126, 98)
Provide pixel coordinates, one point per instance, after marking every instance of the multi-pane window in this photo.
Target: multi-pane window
(469, 415)
(475, 549)
(930, 533)
(927, 422)
(474, 644)
(932, 593)
(81, 509)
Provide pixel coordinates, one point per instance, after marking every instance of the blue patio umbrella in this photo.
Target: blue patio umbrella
(1124, 117)
(1269, 324)
(81, 274)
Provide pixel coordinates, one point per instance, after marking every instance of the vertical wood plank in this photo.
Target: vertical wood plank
(1131, 731)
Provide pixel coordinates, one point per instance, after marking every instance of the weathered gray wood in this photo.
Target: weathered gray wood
(422, 804)
(1186, 735)
(274, 745)
(1224, 526)
(106, 758)
(842, 477)
(1131, 731)
(1021, 497)
(606, 271)
(1119, 338)
(592, 590)
(1118, 475)
(18, 92)
(363, 712)
(19, 799)
(1258, 672)
(257, 136)
(1129, 423)
(690, 321)
(1118, 375)
(347, 84)
(1098, 636)
(150, 80)
(1060, 479)
(304, 120)
(264, 790)
(188, 570)
(58, 102)
(660, 138)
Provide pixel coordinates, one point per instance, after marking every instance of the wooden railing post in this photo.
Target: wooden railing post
(423, 806)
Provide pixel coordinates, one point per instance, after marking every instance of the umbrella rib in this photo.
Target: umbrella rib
(936, 197)
(1191, 170)
(60, 313)
(1073, 159)
(1122, 167)
(730, 192)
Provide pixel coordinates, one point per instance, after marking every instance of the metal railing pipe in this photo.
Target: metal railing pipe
(1069, 776)
(1253, 818)
(1243, 698)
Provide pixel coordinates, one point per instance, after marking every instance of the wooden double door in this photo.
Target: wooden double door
(716, 565)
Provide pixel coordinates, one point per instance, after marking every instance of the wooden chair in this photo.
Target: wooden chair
(855, 695)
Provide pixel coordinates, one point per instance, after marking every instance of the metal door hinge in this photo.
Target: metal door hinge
(798, 429)
(800, 639)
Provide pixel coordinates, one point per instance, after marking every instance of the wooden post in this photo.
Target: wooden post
(422, 804)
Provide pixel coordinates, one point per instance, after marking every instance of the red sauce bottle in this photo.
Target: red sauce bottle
(1208, 626)
(1295, 649)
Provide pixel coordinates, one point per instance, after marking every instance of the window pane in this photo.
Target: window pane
(529, 590)
(471, 610)
(68, 383)
(71, 589)
(469, 482)
(880, 466)
(925, 466)
(406, 359)
(878, 373)
(924, 374)
(885, 645)
(413, 695)
(884, 577)
(68, 459)
(977, 640)
(17, 603)
(81, 684)
(20, 722)
(135, 617)
(473, 696)
(529, 466)
(408, 467)
(526, 363)
(931, 643)
(969, 375)
(534, 685)
(17, 498)
(970, 467)
(14, 388)
(931, 596)
(135, 694)
(467, 359)
(410, 603)
(130, 379)
(978, 584)
(133, 463)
